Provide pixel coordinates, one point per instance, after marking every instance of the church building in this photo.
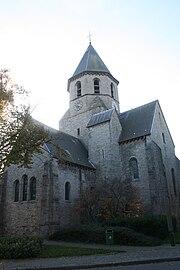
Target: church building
(96, 142)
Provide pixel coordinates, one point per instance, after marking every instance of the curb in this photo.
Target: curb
(89, 266)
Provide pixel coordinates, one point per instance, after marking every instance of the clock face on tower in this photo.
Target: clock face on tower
(78, 105)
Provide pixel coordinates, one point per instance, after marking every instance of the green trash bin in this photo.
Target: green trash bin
(109, 237)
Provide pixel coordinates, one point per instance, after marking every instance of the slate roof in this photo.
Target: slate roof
(68, 148)
(137, 122)
(101, 117)
(91, 62)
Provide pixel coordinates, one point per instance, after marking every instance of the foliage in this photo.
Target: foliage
(84, 233)
(97, 234)
(108, 200)
(28, 247)
(20, 136)
(150, 225)
(20, 247)
(126, 236)
(176, 237)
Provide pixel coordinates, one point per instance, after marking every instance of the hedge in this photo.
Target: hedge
(20, 247)
(155, 226)
(90, 234)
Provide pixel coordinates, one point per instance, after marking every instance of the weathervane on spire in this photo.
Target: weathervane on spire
(89, 36)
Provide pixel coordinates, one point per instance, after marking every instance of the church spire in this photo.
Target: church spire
(91, 62)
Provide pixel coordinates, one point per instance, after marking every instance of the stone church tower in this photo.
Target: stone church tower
(97, 143)
(92, 89)
(93, 114)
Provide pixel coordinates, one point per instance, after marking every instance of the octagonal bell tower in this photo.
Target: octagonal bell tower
(92, 89)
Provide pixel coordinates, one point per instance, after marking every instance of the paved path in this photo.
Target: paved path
(134, 255)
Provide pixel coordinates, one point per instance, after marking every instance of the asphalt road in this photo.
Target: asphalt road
(152, 266)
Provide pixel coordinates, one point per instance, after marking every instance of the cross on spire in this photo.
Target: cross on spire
(89, 36)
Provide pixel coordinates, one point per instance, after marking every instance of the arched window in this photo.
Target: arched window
(112, 90)
(16, 190)
(78, 131)
(78, 88)
(133, 165)
(32, 187)
(96, 86)
(163, 137)
(173, 180)
(24, 187)
(67, 191)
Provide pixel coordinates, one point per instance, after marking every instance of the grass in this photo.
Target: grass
(177, 237)
(52, 251)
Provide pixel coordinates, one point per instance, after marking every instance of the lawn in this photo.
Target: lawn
(177, 237)
(52, 251)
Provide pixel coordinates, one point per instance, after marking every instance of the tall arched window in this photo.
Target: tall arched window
(133, 165)
(164, 138)
(67, 191)
(32, 188)
(24, 187)
(112, 90)
(96, 86)
(78, 88)
(16, 190)
(173, 180)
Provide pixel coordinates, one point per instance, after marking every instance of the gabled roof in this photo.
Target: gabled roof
(68, 148)
(100, 117)
(91, 62)
(137, 122)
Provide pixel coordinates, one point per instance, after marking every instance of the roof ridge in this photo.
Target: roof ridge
(103, 111)
(87, 57)
(154, 101)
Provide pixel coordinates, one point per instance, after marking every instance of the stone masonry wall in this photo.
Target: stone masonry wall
(23, 217)
(3, 190)
(76, 118)
(103, 148)
(56, 211)
(136, 149)
(50, 211)
(87, 86)
(157, 179)
(162, 137)
(78, 121)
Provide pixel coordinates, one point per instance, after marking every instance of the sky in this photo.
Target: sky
(43, 41)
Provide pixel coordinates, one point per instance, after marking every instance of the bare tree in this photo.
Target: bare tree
(108, 200)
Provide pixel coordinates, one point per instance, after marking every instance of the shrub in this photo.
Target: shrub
(86, 234)
(126, 236)
(155, 226)
(20, 247)
(96, 234)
